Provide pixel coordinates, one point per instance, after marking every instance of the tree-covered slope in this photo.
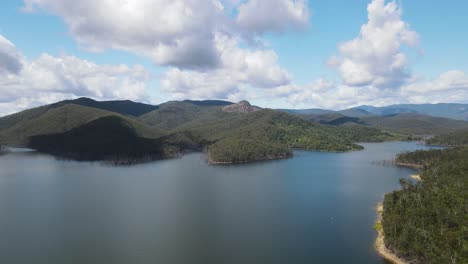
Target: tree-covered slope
(427, 222)
(16, 129)
(233, 133)
(446, 110)
(173, 114)
(124, 107)
(110, 138)
(415, 124)
(457, 138)
(230, 134)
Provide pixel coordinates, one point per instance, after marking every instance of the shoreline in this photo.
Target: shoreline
(409, 165)
(212, 162)
(379, 241)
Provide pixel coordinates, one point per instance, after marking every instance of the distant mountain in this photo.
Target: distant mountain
(415, 124)
(453, 111)
(447, 110)
(335, 119)
(124, 107)
(312, 111)
(87, 129)
(208, 102)
(406, 123)
(355, 112)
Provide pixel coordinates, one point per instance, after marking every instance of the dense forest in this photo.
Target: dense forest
(173, 128)
(94, 142)
(456, 138)
(427, 222)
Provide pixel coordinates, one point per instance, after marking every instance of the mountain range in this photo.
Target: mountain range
(126, 132)
(446, 110)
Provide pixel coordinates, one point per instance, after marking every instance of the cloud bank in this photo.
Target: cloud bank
(47, 79)
(206, 50)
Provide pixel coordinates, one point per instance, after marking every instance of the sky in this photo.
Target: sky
(330, 54)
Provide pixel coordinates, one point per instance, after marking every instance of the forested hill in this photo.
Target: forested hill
(110, 138)
(427, 222)
(124, 107)
(228, 132)
(457, 138)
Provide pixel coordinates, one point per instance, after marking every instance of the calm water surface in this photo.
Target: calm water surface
(314, 208)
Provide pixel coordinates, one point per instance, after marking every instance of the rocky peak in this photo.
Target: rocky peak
(241, 107)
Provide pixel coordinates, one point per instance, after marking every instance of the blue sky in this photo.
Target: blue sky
(302, 50)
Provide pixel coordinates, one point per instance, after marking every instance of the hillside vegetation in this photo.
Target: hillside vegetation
(123, 107)
(446, 110)
(415, 124)
(228, 132)
(107, 138)
(427, 222)
(456, 138)
(18, 128)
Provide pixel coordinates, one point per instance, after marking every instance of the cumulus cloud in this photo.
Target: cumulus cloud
(199, 40)
(450, 86)
(47, 79)
(171, 32)
(239, 68)
(178, 33)
(375, 57)
(10, 58)
(260, 16)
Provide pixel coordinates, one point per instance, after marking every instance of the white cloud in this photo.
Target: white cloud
(450, 80)
(178, 33)
(451, 86)
(171, 32)
(260, 16)
(239, 68)
(375, 56)
(47, 79)
(10, 58)
(326, 94)
(199, 40)
(201, 43)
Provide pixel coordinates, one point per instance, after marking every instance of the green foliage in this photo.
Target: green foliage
(188, 126)
(173, 114)
(263, 134)
(378, 226)
(123, 107)
(415, 124)
(107, 138)
(45, 120)
(419, 157)
(235, 150)
(456, 138)
(427, 222)
(359, 133)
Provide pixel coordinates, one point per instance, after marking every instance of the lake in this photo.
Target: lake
(314, 208)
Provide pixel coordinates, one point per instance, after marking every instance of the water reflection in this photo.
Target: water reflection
(315, 208)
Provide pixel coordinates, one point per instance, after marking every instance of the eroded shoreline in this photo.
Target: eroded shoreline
(379, 241)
